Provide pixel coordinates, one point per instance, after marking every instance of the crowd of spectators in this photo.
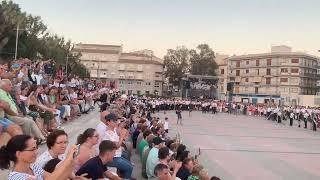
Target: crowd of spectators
(35, 102)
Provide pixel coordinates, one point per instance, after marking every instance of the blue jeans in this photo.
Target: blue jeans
(124, 166)
(62, 110)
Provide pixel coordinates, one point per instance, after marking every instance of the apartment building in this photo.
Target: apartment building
(278, 75)
(222, 73)
(138, 72)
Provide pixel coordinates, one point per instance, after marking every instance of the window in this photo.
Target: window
(268, 62)
(294, 70)
(139, 83)
(157, 85)
(283, 79)
(247, 79)
(268, 71)
(147, 92)
(129, 82)
(256, 90)
(294, 60)
(294, 80)
(268, 80)
(238, 64)
(139, 68)
(257, 72)
(284, 70)
(257, 63)
(121, 67)
(294, 90)
(237, 89)
(221, 71)
(148, 83)
(232, 79)
(247, 62)
(247, 71)
(237, 72)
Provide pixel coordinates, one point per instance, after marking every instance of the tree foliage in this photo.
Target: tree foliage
(199, 61)
(202, 61)
(35, 41)
(176, 62)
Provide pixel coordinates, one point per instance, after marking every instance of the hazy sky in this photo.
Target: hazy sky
(228, 26)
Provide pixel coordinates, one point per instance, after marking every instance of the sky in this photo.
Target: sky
(228, 26)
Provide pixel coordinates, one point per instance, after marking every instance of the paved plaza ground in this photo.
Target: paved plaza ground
(250, 147)
(235, 147)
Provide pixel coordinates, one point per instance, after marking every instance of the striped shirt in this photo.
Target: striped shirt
(38, 174)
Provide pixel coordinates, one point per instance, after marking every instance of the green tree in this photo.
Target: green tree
(202, 60)
(176, 62)
(35, 42)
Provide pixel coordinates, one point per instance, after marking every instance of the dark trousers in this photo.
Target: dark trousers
(291, 121)
(305, 123)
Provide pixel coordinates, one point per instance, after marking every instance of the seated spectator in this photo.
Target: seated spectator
(162, 172)
(96, 167)
(122, 164)
(214, 178)
(204, 175)
(87, 140)
(51, 165)
(196, 172)
(28, 126)
(35, 104)
(22, 150)
(144, 144)
(181, 148)
(186, 169)
(135, 135)
(63, 101)
(57, 143)
(8, 126)
(153, 159)
(145, 154)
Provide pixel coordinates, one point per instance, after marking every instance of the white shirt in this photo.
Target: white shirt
(113, 136)
(101, 130)
(166, 125)
(45, 157)
(106, 134)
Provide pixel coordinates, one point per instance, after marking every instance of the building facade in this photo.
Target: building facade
(222, 73)
(279, 76)
(139, 72)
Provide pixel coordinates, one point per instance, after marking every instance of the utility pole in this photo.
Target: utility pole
(67, 64)
(17, 38)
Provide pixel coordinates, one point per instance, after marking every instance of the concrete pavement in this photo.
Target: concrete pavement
(250, 147)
